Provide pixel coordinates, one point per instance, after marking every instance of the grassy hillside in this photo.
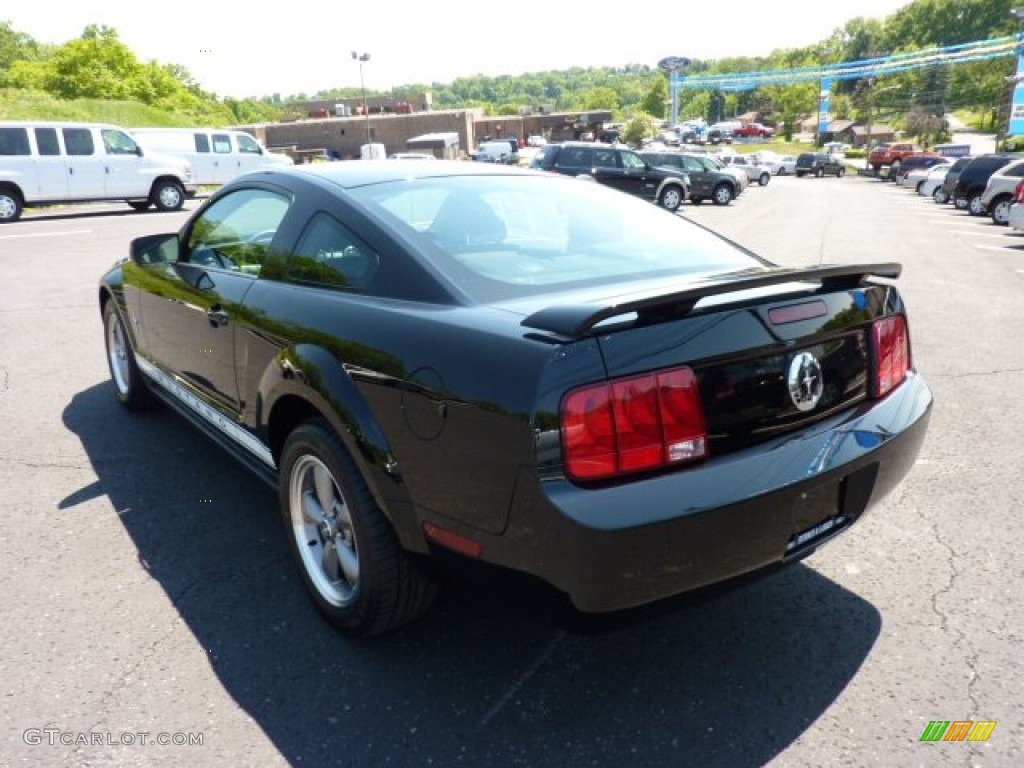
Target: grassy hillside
(34, 105)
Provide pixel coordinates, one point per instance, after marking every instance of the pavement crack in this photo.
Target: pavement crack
(523, 679)
(975, 374)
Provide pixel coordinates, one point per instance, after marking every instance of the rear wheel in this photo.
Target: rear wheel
(764, 178)
(349, 557)
(167, 195)
(10, 205)
(820, 172)
(940, 196)
(722, 195)
(841, 172)
(919, 186)
(1001, 211)
(974, 205)
(671, 197)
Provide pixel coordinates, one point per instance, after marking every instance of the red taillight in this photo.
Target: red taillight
(892, 353)
(633, 424)
(1018, 194)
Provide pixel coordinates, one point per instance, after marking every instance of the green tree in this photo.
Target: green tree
(639, 127)
(654, 102)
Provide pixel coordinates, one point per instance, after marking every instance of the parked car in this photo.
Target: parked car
(762, 174)
(970, 185)
(49, 163)
(1000, 189)
(771, 160)
(819, 164)
(516, 369)
(927, 180)
(714, 162)
(410, 156)
(1016, 218)
(496, 151)
(913, 162)
(215, 155)
(706, 183)
(754, 130)
(617, 167)
(944, 193)
(787, 165)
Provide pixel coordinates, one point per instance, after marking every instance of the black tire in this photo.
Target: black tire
(671, 197)
(974, 205)
(960, 203)
(840, 173)
(940, 196)
(11, 205)
(129, 385)
(722, 194)
(368, 585)
(167, 195)
(919, 186)
(1000, 211)
(763, 179)
(820, 172)
(140, 205)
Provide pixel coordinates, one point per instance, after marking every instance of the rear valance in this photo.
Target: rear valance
(575, 320)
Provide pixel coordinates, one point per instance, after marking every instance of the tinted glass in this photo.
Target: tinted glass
(235, 232)
(46, 141)
(202, 143)
(78, 141)
(329, 254)
(14, 141)
(509, 236)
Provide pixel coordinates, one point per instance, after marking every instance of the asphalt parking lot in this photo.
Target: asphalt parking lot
(146, 588)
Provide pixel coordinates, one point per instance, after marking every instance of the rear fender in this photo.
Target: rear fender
(307, 381)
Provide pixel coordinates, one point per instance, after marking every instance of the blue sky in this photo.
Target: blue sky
(237, 49)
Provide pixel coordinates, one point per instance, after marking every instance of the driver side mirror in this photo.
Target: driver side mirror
(155, 249)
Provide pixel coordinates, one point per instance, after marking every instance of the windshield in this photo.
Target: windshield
(500, 237)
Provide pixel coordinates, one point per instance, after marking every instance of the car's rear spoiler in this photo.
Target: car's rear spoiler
(578, 319)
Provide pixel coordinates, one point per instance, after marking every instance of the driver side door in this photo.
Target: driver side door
(191, 308)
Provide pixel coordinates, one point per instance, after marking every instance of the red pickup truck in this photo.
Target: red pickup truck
(754, 130)
(891, 155)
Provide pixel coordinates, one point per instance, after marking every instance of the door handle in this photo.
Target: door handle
(218, 316)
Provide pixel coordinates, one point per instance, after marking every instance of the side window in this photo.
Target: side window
(222, 144)
(576, 157)
(605, 158)
(236, 231)
(78, 141)
(247, 145)
(329, 255)
(46, 141)
(118, 142)
(202, 143)
(1016, 170)
(631, 160)
(14, 141)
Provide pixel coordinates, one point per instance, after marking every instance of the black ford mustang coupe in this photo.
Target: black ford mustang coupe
(520, 368)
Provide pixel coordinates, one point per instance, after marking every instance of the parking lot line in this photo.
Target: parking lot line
(1004, 248)
(972, 232)
(47, 234)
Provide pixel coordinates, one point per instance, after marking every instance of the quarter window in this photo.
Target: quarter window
(236, 231)
(329, 254)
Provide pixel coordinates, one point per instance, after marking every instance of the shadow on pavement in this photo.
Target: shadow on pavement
(726, 680)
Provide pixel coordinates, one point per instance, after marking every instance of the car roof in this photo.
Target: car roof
(358, 173)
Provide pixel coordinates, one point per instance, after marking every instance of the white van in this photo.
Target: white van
(46, 163)
(216, 156)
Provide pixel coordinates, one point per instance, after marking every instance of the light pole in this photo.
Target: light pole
(361, 57)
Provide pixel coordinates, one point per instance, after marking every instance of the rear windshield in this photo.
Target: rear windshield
(499, 237)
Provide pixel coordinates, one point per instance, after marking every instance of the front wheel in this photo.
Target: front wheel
(722, 195)
(840, 173)
(975, 206)
(129, 386)
(820, 172)
(763, 179)
(671, 198)
(940, 196)
(349, 557)
(167, 195)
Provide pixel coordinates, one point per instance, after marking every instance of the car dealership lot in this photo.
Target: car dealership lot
(147, 586)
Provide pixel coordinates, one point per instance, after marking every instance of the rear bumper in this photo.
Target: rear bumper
(633, 543)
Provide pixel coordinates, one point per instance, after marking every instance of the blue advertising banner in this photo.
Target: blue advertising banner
(1017, 104)
(824, 118)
